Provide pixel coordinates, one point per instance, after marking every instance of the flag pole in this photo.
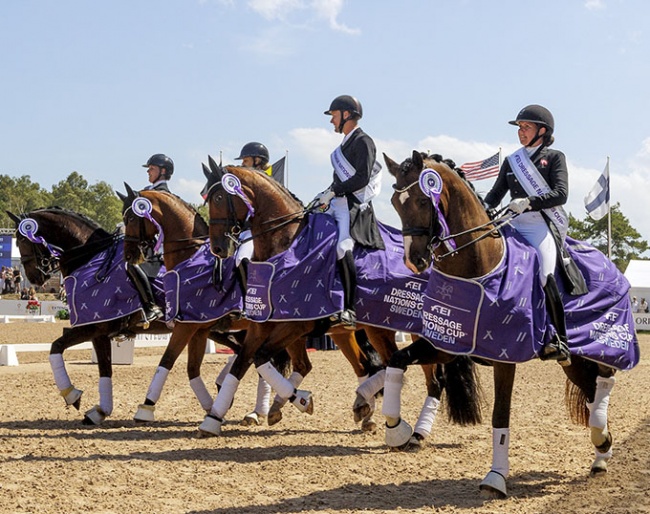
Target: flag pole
(609, 214)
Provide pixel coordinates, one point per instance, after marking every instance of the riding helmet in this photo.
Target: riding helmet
(538, 115)
(346, 103)
(162, 161)
(254, 149)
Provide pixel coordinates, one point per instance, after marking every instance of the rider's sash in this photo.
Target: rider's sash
(534, 184)
(344, 170)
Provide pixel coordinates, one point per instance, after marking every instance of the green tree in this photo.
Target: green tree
(626, 240)
(19, 196)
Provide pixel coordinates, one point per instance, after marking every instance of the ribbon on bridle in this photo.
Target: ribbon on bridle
(431, 185)
(142, 208)
(232, 185)
(28, 228)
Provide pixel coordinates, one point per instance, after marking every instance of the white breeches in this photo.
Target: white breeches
(245, 250)
(340, 211)
(532, 226)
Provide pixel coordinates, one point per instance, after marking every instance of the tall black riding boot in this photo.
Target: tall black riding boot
(556, 349)
(348, 273)
(151, 311)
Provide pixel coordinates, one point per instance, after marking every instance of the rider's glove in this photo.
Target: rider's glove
(519, 205)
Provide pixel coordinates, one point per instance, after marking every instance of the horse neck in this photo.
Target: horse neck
(181, 234)
(464, 212)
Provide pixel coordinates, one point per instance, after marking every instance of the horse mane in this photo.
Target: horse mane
(62, 211)
(197, 214)
(274, 183)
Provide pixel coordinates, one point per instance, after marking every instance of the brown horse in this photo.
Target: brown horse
(278, 219)
(70, 240)
(184, 231)
(479, 248)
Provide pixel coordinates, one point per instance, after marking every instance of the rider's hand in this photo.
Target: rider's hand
(325, 197)
(519, 205)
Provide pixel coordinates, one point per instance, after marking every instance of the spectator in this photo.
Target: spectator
(18, 278)
(635, 304)
(644, 306)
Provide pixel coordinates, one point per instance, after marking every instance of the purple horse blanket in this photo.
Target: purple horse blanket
(101, 291)
(302, 283)
(195, 293)
(503, 316)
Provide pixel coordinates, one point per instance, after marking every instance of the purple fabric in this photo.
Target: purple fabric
(304, 284)
(191, 295)
(503, 316)
(101, 291)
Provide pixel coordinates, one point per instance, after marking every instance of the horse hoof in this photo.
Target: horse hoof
(368, 425)
(361, 409)
(274, 418)
(145, 413)
(72, 397)
(210, 427)
(304, 401)
(599, 467)
(398, 437)
(493, 486)
(252, 419)
(94, 416)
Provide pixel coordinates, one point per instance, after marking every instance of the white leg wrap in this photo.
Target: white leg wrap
(371, 386)
(263, 402)
(201, 392)
(226, 369)
(598, 409)
(500, 447)
(391, 407)
(296, 379)
(281, 385)
(225, 397)
(106, 395)
(427, 416)
(157, 383)
(61, 377)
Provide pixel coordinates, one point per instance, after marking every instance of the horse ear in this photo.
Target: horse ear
(121, 196)
(392, 166)
(417, 160)
(216, 169)
(13, 217)
(206, 171)
(129, 192)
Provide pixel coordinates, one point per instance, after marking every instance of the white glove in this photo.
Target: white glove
(519, 205)
(326, 197)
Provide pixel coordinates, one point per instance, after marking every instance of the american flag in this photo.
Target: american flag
(480, 170)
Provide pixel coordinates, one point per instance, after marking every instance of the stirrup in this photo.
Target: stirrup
(348, 318)
(556, 350)
(150, 316)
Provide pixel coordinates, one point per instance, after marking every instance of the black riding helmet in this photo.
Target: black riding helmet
(540, 116)
(254, 149)
(162, 161)
(345, 103)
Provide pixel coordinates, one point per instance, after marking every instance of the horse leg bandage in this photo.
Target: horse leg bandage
(61, 377)
(263, 402)
(598, 409)
(296, 379)
(225, 396)
(500, 447)
(157, 383)
(106, 395)
(226, 369)
(393, 392)
(281, 385)
(372, 385)
(427, 416)
(201, 392)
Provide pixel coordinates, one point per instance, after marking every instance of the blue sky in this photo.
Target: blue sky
(97, 87)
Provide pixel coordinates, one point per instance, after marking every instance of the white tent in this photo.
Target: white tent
(638, 274)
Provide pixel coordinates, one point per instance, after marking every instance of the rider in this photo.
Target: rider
(356, 181)
(256, 156)
(540, 216)
(160, 168)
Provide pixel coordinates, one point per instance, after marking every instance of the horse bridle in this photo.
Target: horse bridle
(46, 263)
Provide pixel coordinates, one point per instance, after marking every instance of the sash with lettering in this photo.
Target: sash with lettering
(502, 316)
(534, 184)
(344, 170)
(101, 290)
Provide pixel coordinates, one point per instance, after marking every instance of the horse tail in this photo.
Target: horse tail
(580, 387)
(282, 362)
(464, 393)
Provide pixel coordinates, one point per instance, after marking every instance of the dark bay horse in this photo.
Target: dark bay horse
(278, 219)
(63, 240)
(183, 231)
(460, 215)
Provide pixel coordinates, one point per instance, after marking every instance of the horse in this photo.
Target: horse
(183, 232)
(455, 234)
(277, 217)
(55, 239)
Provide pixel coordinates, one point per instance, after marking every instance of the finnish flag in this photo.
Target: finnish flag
(597, 201)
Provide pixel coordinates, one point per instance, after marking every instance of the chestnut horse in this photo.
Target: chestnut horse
(183, 231)
(459, 212)
(63, 240)
(278, 219)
